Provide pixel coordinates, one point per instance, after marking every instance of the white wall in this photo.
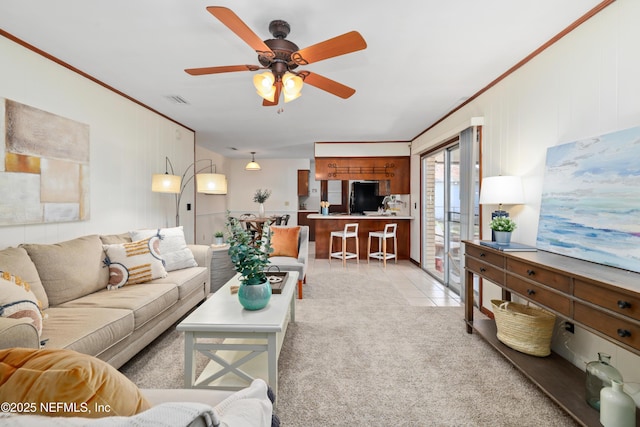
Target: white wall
(128, 143)
(584, 85)
(278, 175)
(211, 209)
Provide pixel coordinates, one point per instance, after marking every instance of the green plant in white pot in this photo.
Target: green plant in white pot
(250, 260)
(502, 227)
(261, 196)
(218, 238)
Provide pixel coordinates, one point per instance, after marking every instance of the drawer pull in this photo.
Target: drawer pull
(531, 272)
(482, 269)
(530, 292)
(624, 333)
(482, 255)
(624, 304)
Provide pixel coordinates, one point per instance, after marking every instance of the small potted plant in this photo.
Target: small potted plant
(261, 196)
(502, 227)
(218, 238)
(250, 260)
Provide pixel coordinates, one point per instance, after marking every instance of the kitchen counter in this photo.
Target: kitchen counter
(325, 224)
(357, 217)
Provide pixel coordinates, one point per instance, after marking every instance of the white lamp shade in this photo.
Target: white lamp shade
(252, 166)
(165, 183)
(211, 183)
(498, 190)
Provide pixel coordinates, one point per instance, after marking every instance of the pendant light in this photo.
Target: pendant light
(252, 165)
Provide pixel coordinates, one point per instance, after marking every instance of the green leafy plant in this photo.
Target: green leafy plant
(248, 258)
(502, 223)
(218, 234)
(261, 195)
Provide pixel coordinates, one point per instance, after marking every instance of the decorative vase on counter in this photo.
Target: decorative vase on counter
(599, 374)
(254, 297)
(502, 237)
(261, 210)
(617, 408)
(324, 211)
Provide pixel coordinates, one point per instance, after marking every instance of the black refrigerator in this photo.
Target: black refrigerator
(364, 197)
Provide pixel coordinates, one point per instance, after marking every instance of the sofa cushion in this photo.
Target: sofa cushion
(17, 301)
(173, 247)
(89, 330)
(70, 269)
(187, 280)
(45, 377)
(134, 262)
(284, 241)
(16, 261)
(111, 239)
(145, 300)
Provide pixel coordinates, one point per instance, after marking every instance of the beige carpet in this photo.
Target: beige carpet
(359, 356)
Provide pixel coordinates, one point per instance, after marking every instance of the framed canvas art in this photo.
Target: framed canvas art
(590, 206)
(44, 166)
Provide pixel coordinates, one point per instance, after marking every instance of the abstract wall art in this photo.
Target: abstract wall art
(44, 166)
(591, 200)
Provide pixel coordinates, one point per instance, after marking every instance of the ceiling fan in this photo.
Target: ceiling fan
(281, 57)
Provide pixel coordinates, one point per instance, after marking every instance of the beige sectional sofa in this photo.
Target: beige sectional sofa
(70, 280)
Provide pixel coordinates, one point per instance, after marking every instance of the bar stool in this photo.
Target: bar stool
(389, 232)
(350, 230)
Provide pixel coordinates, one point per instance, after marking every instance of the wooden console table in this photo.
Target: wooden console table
(603, 300)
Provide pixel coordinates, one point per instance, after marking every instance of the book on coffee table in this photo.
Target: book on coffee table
(511, 247)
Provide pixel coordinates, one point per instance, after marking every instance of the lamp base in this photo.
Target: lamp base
(496, 214)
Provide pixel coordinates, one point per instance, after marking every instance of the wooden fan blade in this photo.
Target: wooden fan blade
(235, 24)
(266, 103)
(328, 85)
(217, 70)
(346, 43)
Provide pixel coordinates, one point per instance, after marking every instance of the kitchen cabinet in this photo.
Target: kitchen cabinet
(303, 182)
(303, 220)
(392, 169)
(602, 299)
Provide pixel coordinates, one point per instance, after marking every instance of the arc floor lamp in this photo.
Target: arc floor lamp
(206, 183)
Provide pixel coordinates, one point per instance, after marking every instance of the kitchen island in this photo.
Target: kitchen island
(325, 224)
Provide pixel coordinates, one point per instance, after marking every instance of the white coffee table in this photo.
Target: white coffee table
(251, 339)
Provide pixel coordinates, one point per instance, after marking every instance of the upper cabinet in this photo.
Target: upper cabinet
(395, 170)
(303, 182)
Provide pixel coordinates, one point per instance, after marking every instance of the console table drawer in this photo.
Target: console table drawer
(620, 330)
(486, 256)
(540, 275)
(537, 294)
(620, 302)
(485, 270)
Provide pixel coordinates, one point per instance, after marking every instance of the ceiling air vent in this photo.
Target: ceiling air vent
(177, 99)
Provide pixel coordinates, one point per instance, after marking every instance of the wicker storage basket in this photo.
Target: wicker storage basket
(524, 328)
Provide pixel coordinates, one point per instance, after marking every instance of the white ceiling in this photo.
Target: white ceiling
(423, 58)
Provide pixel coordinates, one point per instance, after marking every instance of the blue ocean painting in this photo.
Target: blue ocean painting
(590, 205)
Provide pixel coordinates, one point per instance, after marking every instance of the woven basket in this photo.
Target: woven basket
(524, 328)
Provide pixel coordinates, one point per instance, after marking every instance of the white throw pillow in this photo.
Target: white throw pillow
(173, 247)
(249, 407)
(18, 301)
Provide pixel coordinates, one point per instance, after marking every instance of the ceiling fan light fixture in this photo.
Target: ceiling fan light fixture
(252, 165)
(291, 86)
(263, 83)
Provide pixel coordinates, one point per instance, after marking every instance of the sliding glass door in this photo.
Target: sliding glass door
(441, 215)
(450, 176)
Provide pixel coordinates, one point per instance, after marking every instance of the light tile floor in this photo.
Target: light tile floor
(419, 288)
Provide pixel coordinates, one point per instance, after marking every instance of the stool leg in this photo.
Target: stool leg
(357, 250)
(395, 248)
(330, 247)
(384, 252)
(344, 251)
(368, 249)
